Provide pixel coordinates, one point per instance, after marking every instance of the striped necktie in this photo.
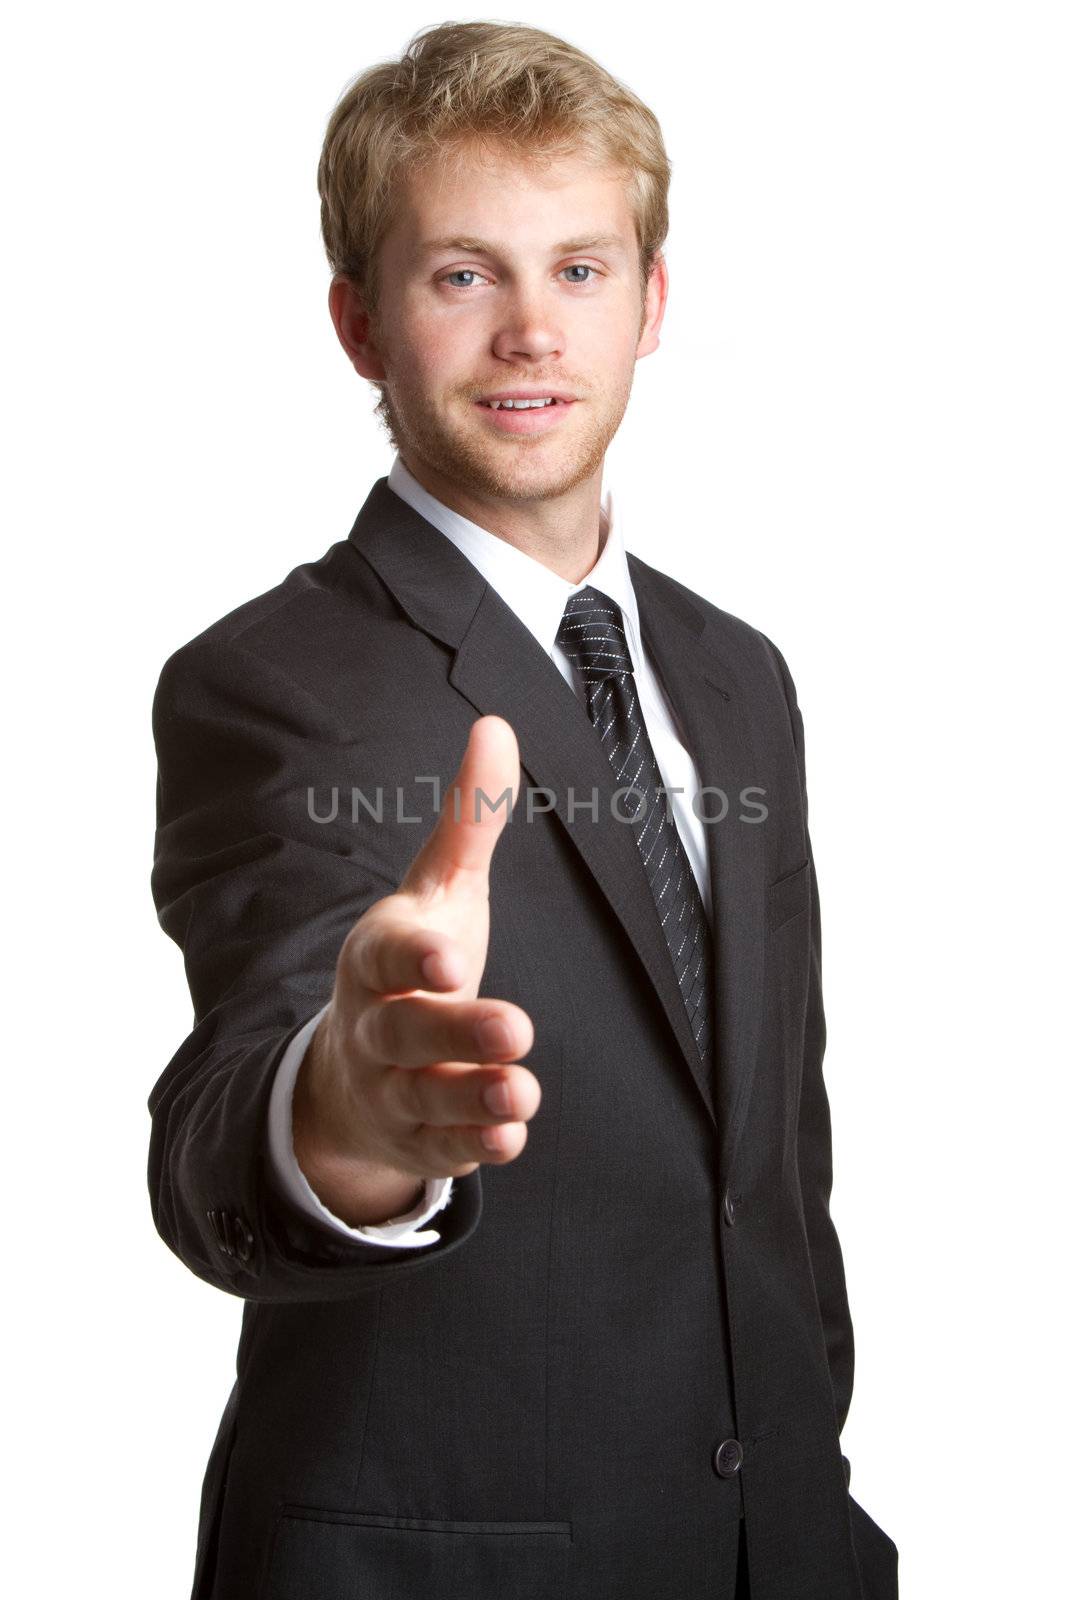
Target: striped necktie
(592, 635)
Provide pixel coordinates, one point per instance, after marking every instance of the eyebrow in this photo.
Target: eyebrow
(606, 241)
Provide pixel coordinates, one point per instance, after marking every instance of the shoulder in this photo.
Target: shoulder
(277, 635)
(749, 654)
(308, 587)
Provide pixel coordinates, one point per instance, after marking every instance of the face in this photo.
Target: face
(498, 277)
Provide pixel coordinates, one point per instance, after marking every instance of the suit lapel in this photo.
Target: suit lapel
(708, 701)
(502, 669)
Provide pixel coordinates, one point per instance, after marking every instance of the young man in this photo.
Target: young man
(567, 1007)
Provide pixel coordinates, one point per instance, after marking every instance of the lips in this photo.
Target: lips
(529, 419)
(521, 396)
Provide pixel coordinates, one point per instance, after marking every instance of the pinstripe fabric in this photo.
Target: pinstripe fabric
(592, 635)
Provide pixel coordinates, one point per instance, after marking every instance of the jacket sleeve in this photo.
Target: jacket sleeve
(814, 1134)
(258, 886)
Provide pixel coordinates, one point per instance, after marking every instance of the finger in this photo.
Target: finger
(418, 1030)
(440, 1151)
(455, 1094)
(474, 811)
(389, 955)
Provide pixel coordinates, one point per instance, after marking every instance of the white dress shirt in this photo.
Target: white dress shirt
(538, 597)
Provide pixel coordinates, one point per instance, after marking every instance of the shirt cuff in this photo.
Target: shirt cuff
(404, 1232)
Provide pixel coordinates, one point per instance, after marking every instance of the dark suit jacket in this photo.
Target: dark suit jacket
(532, 1407)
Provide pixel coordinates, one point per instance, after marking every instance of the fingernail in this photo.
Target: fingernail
(497, 1099)
(494, 1036)
(494, 1139)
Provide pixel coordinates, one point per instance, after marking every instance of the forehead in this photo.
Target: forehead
(501, 198)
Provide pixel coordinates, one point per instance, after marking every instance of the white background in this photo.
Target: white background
(852, 436)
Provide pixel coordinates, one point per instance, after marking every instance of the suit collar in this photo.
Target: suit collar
(537, 595)
(436, 585)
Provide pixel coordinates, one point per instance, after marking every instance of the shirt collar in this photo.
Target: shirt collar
(537, 595)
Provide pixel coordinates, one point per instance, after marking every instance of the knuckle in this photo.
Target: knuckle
(376, 1030)
(368, 944)
(475, 1146)
(434, 1150)
(410, 1094)
(359, 952)
(464, 1144)
(392, 1025)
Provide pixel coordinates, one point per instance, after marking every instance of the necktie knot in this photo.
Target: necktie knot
(593, 636)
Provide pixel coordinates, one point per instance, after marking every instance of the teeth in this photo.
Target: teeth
(519, 405)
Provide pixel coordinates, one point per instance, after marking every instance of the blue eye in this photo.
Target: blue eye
(469, 272)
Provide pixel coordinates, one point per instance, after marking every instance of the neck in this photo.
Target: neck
(562, 532)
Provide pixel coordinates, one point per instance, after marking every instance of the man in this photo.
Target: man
(565, 1006)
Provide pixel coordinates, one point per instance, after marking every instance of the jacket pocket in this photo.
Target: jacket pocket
(339, 1555)
(787, 897)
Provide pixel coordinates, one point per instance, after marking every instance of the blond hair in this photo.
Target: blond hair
(496, 84)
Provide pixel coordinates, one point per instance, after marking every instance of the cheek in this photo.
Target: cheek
(435, 360)
(607, 346)
(423, 347)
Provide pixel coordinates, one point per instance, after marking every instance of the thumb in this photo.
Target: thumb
(474, 811)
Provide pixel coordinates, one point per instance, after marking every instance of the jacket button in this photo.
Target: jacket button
(728, 1208)
(728, 1458)
(221, 1227)
(232, 1234)
(243, 1239)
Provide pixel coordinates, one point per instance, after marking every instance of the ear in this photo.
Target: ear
(655, 306)
(352, 324)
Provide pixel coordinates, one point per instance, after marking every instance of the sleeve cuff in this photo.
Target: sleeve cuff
(403, 1232)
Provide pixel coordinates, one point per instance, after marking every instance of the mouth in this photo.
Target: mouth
(526, 419)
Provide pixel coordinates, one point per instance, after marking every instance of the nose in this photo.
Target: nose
(529, 330)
